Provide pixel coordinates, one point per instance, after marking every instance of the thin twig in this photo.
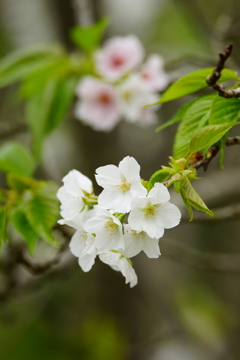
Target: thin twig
(212, 80)
(219, 262)
(213, 151)
(39, 269)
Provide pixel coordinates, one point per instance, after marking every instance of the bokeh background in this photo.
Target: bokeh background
(177, 311)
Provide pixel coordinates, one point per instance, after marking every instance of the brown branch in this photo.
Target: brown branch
(201, 260)
(212, 80)
(213, 151)
(39, 269)
(10, 129)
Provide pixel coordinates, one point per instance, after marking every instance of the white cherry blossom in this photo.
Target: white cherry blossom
(137, 241)
(107, 230)
(154, 213)
(76, 187)
(82, 245)
(119, 262)
(133, 95)
(98, 106)
(153, 75)
(121, 184)
(118, 56)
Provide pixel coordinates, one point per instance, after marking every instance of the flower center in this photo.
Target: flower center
(117, 61)
(137, 235)
(83, 239)
(123, 186)
(105, 98)
(111, 227)
(150, 210)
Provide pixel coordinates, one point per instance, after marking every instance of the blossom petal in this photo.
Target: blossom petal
(108, 175)
(86, 261)
(168, 216)
(160, 193)
(151, 247)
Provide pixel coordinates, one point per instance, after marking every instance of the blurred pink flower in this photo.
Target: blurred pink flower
(153, 75)
(118, 56)
(133, 95)
(98, 106)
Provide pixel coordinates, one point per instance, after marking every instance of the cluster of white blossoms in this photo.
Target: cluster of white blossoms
(122, 85)
(121, 222)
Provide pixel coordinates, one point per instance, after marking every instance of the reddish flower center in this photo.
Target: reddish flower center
(105, 98)
(117, 61)
(145, 75)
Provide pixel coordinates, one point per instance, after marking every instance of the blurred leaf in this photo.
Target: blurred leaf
(203, 314)
(193, 82)
(224, 110)
(37, 81)
(196, 116)
(62, 101)
(191, 197)
(42, 210)
(88, 38)
(48, 108)
(20, 63)
(21, 183)
(176, 21)
(24, 228)
(3, 225)
(208, 136)
(177, 117)
(16, 159)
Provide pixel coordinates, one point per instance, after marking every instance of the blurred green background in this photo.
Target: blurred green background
(176, 312)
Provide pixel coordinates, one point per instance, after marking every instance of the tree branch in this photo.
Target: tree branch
(201, 260)
(213, 151)
(212, 80)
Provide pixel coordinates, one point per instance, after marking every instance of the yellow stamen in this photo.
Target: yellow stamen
(123, 186)
(111, 227)
(136, 234)
(83, 239)
(150, 210)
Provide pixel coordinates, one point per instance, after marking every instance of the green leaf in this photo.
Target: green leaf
(177, 117)
(21, 63)
(22, 225)
(21, 183)
(61, 102)
(48, 108)
(191, 197)
(57, 68)
(224, 110)
(3, 225)
(88, 38)
(208, 136)
(186, 203)
(178, 177)
(222, 144)
(193, 82)
(42, 210)
(159, 176)
(15, 158)
(195, 117)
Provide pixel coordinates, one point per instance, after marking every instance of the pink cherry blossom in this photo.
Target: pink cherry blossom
(153, 75)
(118, 56)
(133, 95)
(98, 105)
